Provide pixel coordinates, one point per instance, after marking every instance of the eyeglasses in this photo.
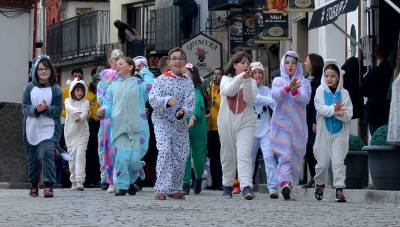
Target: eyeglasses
(43, 69)
(177, 59)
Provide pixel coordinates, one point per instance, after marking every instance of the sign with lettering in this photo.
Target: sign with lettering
(204, 52)
(236, 33)
(274, 26)
(330, 12)
(301, 5)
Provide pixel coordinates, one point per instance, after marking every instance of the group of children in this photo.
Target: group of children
(180, 104)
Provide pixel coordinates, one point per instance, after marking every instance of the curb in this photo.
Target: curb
(18, 185)
(361, 196)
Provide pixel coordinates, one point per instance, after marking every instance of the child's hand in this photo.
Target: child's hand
(294, 84)
(179, 113)
(248, 74)
(40, 108)
(77, 117)
(338, 106)
(172, 101)
(192, 120)
(44, 103)
(100, 112)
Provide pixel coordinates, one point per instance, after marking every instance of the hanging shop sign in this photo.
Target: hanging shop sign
(236, 33)
(270, 5)
(203, 52)
(330, 12)
(274, 26)
(301, 5)
(250, 36)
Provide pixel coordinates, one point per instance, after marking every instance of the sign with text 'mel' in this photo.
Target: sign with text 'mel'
(203, 52)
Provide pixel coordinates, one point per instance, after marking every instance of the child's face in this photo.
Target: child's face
(290, 65)
(113, 63)
(242, 66)
(123, 68)
(43, 73)
(331, 78)
(217, 76)
(177, 62)
(258, 76)
(140, 66)
(79, 93)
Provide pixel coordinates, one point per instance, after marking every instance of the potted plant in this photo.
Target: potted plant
(356, 164)
(384, 161)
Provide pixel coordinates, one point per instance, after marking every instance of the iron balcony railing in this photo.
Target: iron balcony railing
(79, 36)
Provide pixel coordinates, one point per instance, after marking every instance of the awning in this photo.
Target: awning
(328, 14)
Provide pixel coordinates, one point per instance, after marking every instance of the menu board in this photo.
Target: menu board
(250, 35)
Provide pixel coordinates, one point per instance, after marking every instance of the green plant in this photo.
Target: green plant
(380, 136)
(355, 143)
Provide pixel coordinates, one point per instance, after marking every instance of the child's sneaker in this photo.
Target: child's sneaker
(132, 189)
(247, 193)
(48, 192)
(34, 192)
(79, 186)
(111, 188)
(286, 189)
(104, 186)
(227, 192)
(319, 191)
(120, 192)
(273, 194)
(73, 186)
(340, 196)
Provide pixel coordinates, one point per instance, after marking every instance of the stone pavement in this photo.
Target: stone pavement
(94, 207)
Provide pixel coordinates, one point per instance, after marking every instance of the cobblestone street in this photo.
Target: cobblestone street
(94, 207)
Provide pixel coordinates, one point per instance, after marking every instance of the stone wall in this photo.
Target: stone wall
(13, 165)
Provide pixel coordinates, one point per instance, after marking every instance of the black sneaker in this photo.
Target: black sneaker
(120, 192)
(247, 193)
(228, 192)
(132, 189)
(48, 192)
(104, 186)
(197, 186)
(186, 188)
(286, 189)
(34, 192)
(340, 196)
(319, 191)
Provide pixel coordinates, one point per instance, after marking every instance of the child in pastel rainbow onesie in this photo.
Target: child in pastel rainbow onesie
(125, 105)
(105, 150)
(288, 132)
(172, 99)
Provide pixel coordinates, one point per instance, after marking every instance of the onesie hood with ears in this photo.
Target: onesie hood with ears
(73, 85)
(299, 69)
(341, 72)
(35, 63)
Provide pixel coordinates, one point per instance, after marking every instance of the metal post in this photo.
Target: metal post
(347, 35)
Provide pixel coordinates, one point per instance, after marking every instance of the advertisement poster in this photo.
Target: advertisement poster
(274, 26)
(271, 5)
(203, 52)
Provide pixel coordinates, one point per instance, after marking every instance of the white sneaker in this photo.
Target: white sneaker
(73, 187)
(79, 186)
(111, 189)
(273, 194)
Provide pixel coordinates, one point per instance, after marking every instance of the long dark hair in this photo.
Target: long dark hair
(46, 63)
(317, 65)
(198, 83)
(236, 58)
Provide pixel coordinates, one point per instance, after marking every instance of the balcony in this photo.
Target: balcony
(79, 38)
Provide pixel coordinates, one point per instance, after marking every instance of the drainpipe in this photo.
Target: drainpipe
(40, 28)
(34, 30)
